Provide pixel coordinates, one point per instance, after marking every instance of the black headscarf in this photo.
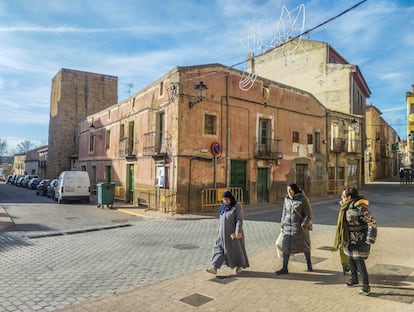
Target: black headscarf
(224, 207)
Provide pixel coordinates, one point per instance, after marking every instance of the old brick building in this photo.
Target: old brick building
(170, 143)
(74, 96)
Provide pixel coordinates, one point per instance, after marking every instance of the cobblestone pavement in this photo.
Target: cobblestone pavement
(259, 289)
(45, 271)
(156, 264)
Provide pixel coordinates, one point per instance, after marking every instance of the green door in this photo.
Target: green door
(262, 185)
(238, 175)
(130, 193)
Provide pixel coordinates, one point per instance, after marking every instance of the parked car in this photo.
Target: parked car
(51, 188)
(9, 179)
(19, 181)
(33, 183)
(16, 178)
(41, 188)
(27, 178)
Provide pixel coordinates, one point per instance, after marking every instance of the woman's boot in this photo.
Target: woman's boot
(308, 261)
(284, 269)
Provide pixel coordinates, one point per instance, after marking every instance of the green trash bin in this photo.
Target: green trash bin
(106, 194)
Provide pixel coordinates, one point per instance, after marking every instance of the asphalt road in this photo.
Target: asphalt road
(59, 255)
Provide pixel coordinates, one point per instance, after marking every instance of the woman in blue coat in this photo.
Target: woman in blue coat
(295, 225)
(229, 247)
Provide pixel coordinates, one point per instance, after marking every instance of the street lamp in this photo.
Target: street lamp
(199, 87)
(92, 128)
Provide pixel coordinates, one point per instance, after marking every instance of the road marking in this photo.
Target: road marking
(131, 212)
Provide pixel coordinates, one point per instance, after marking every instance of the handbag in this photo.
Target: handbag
(279, 245)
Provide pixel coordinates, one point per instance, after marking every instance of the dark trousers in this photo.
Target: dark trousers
(286, 257)
(358, 265)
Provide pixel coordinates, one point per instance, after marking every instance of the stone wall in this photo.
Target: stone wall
(74, 96)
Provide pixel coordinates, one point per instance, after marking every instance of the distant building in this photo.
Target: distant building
(19, 163)
(74, 95)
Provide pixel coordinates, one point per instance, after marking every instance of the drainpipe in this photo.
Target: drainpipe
(227, 134)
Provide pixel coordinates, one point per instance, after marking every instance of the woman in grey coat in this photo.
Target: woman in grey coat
(229, 247)
(295, 224)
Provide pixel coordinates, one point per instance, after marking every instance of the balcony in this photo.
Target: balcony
(268, 149)
(341, 145)
(154, 144)
(127, 147)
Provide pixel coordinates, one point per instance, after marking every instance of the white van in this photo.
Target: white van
(73, 186)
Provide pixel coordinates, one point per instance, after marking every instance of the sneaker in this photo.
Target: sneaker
(282, 271)
(211, 270)
(310, 268)
(237, 270)
(351, 282)
(365, 289)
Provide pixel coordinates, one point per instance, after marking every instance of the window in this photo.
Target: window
(161, 88)
(121, 132)
(264, 135)
(108, 139)
(159, 135)
(317, 143)
(210, 124)
(310, 139)
(295, 137)
(161, 174)
(131, 141)
(310, 144)
(91, 142)
(352, 170)
(266, 94)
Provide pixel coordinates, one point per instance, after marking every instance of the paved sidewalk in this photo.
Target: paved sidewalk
(5, 221)
(258, 289)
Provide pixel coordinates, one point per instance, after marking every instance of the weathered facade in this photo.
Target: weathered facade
(74, 96)
(168, 139)
(317, 68)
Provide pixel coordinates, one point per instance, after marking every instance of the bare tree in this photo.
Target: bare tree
(3, 147)
(25, 146)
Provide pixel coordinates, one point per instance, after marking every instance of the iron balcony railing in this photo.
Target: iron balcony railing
(127, 147)
(341, 145)
(268, 149)
(154, 144)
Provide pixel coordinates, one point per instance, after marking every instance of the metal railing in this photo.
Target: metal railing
(211, 197)
(268, 149)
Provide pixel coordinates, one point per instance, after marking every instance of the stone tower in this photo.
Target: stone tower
(74, 96)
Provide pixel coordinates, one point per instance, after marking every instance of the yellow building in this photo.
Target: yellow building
(410, 122)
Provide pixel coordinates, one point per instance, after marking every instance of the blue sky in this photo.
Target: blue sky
(139, 41)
